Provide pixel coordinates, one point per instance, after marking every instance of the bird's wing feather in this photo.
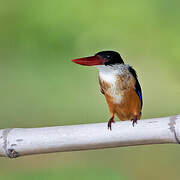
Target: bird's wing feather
(101, 86)
(137, 85)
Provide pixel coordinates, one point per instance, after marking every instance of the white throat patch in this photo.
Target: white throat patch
(109, 74)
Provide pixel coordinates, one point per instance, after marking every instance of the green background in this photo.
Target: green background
(40, 86)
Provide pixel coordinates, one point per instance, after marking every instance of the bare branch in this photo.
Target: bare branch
(26, 141)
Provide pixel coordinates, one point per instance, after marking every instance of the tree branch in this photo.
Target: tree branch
(26, 141)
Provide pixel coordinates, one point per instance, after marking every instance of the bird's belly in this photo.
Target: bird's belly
(125, 105)
(117, 98)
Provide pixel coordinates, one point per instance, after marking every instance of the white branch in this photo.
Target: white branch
(25, 141)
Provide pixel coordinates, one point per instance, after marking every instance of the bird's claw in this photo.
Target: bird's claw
(110, 123)
(134, 121)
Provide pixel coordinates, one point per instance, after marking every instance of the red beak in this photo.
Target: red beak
(90, 61)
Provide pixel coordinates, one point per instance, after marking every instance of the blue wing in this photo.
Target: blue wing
(137, 85)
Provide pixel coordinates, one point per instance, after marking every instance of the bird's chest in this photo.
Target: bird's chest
(115, 86)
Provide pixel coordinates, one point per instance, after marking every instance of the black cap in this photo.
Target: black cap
(112, 57)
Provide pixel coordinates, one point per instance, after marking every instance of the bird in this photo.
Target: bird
(118, 83)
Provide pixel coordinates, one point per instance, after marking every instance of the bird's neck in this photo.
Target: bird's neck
(109, 73)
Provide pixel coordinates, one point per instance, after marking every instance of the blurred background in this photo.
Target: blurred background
(40, 86)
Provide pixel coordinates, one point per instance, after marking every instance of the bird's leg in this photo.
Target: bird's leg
(134, 120)
(110, 122)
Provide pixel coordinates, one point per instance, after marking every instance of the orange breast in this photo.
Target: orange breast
(130, 104)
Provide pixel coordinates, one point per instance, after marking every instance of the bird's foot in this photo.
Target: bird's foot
(134, 120)
(110, 122)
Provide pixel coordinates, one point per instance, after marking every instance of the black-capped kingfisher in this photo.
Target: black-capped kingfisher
(119, 84)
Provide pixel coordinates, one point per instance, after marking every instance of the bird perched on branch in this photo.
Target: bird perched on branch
(119, 84)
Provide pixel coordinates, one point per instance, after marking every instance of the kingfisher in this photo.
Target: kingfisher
(118, 83)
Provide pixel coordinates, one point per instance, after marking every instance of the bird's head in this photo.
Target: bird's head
(107, 58)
